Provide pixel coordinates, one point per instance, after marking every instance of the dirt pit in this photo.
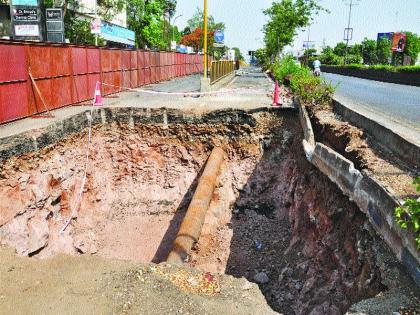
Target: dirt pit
(274, 218)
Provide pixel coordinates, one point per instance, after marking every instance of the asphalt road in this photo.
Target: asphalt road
(393, 105)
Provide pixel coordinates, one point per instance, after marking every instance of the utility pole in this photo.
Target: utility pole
(205, 39)
(173, 27)
(348, 32)
(308, 44)
(96, 19)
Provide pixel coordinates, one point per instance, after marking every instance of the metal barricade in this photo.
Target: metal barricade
(220, 69)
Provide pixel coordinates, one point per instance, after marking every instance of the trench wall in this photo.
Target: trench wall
(67, 74)
(402, 148)
(374, 200)
(34, 140)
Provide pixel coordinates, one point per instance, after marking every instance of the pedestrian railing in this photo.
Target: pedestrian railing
(220, 69)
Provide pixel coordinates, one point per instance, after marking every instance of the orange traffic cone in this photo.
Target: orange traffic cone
(276, 96)
(98, 97)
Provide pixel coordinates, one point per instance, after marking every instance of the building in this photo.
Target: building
(30, 15)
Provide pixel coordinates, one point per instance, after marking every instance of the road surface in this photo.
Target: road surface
(395, 106)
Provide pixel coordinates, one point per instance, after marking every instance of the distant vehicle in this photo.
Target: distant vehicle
(317, 68)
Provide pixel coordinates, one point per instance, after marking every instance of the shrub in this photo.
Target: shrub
(408, 69)
(408, 215)
(383, 67)
(286, 67)
(311, 89)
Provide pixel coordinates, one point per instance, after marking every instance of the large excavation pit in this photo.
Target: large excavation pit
(274, 219)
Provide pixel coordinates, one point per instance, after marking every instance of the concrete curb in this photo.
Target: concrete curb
(372, 199)
(222, 82)
(401, 147)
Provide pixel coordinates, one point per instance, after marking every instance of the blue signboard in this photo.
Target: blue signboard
(118, 34)
(219, 36)
(182, 49)
(28, 3)
(387, 35)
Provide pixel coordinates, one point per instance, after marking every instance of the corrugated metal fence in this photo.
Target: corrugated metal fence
(67, 74)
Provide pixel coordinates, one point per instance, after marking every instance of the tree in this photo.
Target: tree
(412, 46)
(340, 49)
(328, 57)
(196, 39)
(383, 51)
(107, 9)
(238, 55)
(286, 17)
(76, 28)
(262, 57)
(356, 50)
(197, 20)
(146, 19)
(369, 51)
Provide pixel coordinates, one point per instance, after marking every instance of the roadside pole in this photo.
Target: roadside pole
(205, 81)
(205, 40)
(96, 19)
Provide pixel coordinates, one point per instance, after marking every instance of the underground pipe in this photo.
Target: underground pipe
(191, 226)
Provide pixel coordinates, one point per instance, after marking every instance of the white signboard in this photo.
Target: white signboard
(190, 50)
(95, 26)
(173, 45)
(27, 30)
(231, 55)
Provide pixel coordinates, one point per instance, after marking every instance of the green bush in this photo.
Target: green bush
(408, 69)
(311, 89)
(383, 67)
(354, 66)
(408, 215)
(287, 66)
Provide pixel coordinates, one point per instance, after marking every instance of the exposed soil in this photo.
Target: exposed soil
(364, 152)
(309, 248)
(274, 218)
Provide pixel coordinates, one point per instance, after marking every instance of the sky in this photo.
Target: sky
(244, 20)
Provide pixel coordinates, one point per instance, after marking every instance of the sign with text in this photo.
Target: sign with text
(118, 34)
(54, 14)
(55, 25)
(27, 30)
(95, 26)
(219, 36)
(25, 14)
(348, 34)
(398, 42)
(387, 35)
(26, 3)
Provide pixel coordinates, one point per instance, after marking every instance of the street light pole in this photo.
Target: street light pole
(173, 27)
(205, 39)
(347, 39)
(96, 19)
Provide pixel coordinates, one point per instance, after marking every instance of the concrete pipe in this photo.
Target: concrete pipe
(191, 226)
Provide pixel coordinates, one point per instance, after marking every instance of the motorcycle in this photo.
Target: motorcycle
(317, 72)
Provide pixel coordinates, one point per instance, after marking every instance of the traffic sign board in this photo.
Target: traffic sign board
(219, 36)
